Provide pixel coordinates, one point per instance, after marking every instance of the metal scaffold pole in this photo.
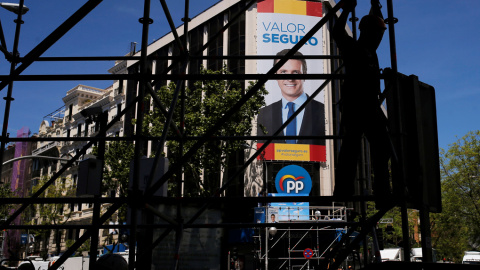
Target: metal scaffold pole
(145, 77)
(391, 20)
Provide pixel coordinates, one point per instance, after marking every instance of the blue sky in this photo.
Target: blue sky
(436, 40)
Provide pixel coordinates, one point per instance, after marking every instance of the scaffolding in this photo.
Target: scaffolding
(303, 247)
(348, 233)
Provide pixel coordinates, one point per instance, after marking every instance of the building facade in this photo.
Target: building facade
(73, 120)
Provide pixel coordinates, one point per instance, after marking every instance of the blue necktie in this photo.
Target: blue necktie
(292, 127)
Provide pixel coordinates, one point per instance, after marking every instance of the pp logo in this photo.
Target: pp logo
(293, 179)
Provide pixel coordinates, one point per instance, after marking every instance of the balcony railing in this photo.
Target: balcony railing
(45, 148)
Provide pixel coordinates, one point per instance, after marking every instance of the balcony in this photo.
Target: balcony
(45, 148)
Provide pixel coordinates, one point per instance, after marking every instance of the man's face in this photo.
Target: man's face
(291, 89)
(273, 218)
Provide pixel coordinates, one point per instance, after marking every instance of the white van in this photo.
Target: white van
(416, 255)
(471, 257)
(391, 254)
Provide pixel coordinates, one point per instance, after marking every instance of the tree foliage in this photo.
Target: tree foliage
(205, 103)
(116, 172)
(5, 192)
(55, 214)
(118, 155)
(392, 231)
(457, 228)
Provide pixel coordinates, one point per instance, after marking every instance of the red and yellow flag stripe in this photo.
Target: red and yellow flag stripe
(297, 7)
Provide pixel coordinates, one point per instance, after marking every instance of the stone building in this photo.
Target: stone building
(73, 120)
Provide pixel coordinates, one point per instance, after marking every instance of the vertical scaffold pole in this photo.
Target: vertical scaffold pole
(145, 21)
(393, 58)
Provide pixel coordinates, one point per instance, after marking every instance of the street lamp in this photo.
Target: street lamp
(272, 231)
(15, 8)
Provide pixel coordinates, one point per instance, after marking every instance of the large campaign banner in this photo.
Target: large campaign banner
(280, 25)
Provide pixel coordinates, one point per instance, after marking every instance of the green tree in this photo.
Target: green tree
(450, 232)
(457, 228)
(118, 156)
(84, 247)
(392, 232)
(205, 103)
(116, 174)
(53, 214)
(6, 192)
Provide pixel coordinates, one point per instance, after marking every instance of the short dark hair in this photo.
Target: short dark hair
(373, 22)
(297, 53)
